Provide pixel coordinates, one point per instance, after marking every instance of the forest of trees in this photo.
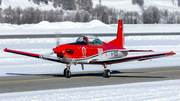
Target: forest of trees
(68, 4)
(150, 15)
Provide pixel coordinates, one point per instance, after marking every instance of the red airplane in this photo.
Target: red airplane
(88, 49)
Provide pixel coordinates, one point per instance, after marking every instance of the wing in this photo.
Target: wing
(133, 58)
(124, 50)
(55, 59)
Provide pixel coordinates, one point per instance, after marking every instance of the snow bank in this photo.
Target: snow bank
(94, 26)
(46, 27)
(151, 91)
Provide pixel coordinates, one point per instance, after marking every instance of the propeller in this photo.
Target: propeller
(57, 35)
(49, 54)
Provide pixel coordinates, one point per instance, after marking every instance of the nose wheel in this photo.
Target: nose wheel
(67, 72)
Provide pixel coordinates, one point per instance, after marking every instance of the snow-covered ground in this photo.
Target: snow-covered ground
(94, 26)
(128, 6)
(148, 91)
(13, 63)
(162, 90)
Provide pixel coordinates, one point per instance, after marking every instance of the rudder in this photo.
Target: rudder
(119, 41)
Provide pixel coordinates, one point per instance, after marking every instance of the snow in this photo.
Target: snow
(128, 6)
(118, 4)
(94, 26)
(13, 63)
(26, 3)
(150, 91)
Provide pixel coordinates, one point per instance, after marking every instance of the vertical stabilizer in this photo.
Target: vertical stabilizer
(119, 41)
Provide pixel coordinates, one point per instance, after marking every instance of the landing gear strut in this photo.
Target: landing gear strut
(107, 72)
(67, 71)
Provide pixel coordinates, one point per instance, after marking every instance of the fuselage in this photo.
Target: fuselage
(84, 52)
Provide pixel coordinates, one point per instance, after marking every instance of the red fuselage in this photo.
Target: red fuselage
(79, 51)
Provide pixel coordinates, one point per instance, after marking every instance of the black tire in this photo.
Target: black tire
(68, 73)
(65, 71)
(107, 73)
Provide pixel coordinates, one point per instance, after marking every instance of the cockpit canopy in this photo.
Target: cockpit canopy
(89, 40)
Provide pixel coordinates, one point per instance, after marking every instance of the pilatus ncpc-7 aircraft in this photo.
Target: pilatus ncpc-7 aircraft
(88, 49)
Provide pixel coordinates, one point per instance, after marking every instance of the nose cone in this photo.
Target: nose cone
(56, 50)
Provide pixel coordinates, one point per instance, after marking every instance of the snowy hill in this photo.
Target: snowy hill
(25, 3)
(127, 5)
(171, 5)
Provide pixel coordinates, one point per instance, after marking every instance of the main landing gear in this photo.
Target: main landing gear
(107, 72)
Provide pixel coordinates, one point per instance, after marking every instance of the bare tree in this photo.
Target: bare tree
(69, 5)
(101, 13)
(139, 2)
(1, 18)
(8, 15)
(86, 17)
(77, 17)
(134, 2)
(151, 15)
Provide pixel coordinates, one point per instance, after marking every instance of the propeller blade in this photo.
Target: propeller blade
(58, 35)
(48, 54)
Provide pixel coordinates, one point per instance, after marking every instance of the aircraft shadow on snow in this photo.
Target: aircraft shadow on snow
(95, 74)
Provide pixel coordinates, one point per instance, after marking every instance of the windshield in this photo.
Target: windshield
(82, 40)
(91, 39)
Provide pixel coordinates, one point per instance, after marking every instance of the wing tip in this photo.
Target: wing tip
(170, 53)
(150, 51)
(5, 50)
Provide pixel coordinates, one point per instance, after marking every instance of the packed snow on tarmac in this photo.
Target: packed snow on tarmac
(148, 91)
(162, 90)
(13, 63)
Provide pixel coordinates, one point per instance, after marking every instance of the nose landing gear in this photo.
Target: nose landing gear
(67, 72)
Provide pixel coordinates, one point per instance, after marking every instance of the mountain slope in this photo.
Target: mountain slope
(127, 5)
(171, 5)
(25, 3)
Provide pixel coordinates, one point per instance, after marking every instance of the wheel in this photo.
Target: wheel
(68, 73)
(107, 73)
(65, 71)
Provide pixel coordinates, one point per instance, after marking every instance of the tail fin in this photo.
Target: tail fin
(119, 41)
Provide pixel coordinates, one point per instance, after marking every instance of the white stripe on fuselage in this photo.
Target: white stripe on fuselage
(106, 55)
